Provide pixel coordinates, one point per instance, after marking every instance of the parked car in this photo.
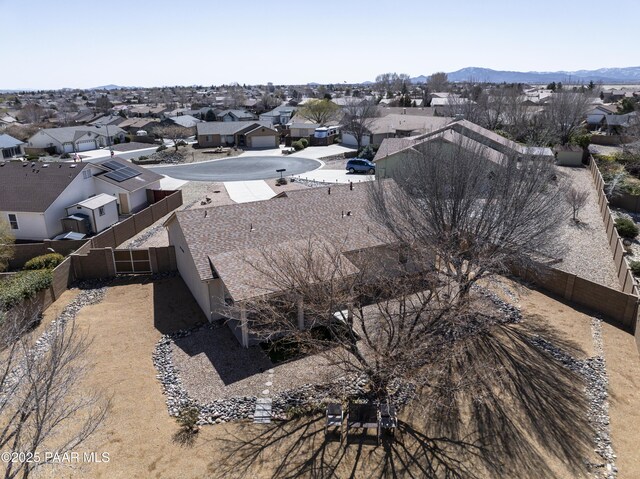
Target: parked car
(360, 165)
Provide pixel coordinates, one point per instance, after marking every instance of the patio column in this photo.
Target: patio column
(300, 314)
(244, 326)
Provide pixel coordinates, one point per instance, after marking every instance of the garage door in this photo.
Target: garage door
(263, 142)
(68, 148)
(86, 145)
(350, 140)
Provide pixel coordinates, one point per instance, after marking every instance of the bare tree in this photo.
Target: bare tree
(371, 321)
(32, 113)
(319, 111)
(438, 81)
(576, 199)
(41, 408)
(6, 243)
(359, 116)
(478, 212)
(174, 132)
(565, 114)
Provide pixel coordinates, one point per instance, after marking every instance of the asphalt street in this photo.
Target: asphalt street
(239, 169)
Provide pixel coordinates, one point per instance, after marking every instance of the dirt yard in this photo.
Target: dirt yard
(139, 434)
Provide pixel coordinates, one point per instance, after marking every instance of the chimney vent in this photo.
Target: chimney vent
(351, 185)
(329, 190)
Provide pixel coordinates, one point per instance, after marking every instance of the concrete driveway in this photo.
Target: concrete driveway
(241, 168)
(247, 191)
(334, 176)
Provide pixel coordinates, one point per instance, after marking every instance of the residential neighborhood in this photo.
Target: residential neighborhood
(293, 261)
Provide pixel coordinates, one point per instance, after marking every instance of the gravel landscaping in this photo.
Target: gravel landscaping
(587, 249)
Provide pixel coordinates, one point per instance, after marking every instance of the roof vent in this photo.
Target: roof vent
(45, 165)
(72, 165)
(25, 164)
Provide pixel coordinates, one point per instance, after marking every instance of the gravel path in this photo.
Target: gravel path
(213, 365)
(588, 254)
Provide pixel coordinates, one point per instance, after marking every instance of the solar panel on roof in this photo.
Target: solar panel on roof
(120, 172)
(112, 165)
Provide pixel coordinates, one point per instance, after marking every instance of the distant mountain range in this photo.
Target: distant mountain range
(604, 75)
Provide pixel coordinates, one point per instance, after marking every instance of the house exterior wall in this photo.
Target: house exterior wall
(138, 198)
(78, 190)
(187, 268)
(209, 140)
(31, 226)
(42, 140)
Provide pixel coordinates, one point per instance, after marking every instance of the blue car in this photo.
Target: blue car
(360, 165)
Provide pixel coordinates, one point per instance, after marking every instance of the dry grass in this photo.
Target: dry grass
(140, 436)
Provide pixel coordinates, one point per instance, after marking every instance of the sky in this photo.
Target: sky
(51, 44)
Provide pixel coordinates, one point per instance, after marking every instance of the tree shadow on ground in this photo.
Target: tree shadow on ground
(184, 437)
(495, 405)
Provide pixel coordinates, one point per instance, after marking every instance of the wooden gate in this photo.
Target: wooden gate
(129, 261)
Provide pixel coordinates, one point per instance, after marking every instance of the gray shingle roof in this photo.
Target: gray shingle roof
(227, 127)
(23, 188)
(141, 181)
(7, 141)
(69, 134)
(228, 234)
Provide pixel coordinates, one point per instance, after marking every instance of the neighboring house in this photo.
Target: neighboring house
(133, 125)
(301, 129)
(73, 139)
(396, 126)
(235, 115)
(246, 134)
(596, 117)
(278, 116)
(618, 124)
(114, 120)
(149, 111)
(218, 249)
(186, 121)
(7, 120)
(395, 152)
(35, 196)
(10, 147)
(127, 182)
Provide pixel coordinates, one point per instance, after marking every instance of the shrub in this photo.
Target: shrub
(181, 143)
(635, 267)
(188, 418)
(626, 228)
(161, 148)
(305, 142)
(281, 181)
(45, 261)
(367, 152)
(297, 145)
(65, 156)
(23, 285)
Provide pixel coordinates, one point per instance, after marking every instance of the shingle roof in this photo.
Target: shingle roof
(70, 134)
(227, 234)
(33, 189)
(7, 141)
(227, 127)
(141, 181)
(187, 121)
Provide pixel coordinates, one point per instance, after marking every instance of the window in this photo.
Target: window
(13, 221)
(86, 174)
(101, 211)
